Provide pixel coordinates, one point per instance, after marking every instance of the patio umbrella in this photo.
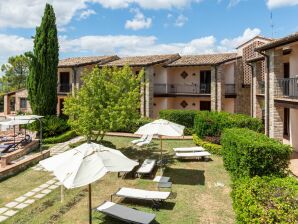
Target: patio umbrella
(161, 128)
(86, 164)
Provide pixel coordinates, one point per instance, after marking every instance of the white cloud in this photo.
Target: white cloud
(281, 3)
(233, 3)
(235, 42)
(181, 20)
(86, 13)
(139, 21)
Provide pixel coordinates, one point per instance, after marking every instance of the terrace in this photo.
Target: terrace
(287, 88)
(182, 89)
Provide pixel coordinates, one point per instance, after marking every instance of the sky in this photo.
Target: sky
(144, 27)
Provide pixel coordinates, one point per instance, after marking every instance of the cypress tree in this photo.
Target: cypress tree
(42, 79)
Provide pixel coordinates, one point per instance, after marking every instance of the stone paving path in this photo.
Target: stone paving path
(39, 192)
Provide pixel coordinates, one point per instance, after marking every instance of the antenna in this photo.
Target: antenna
(272, 24)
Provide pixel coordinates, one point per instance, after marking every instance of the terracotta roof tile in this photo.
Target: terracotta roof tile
(255, 59)
(81, 61)
(279, 42)
(139, 61)
(206, 59)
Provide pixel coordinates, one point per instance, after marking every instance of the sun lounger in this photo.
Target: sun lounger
(146, 142)
(189, 149)
(146, 167)
(155, 196)
(161, 179)
(125, 214)
(193, 154)
(142, 139)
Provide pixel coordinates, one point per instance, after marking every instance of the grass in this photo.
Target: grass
(195, 198)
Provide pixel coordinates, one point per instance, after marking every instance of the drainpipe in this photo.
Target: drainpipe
(267, 90)
(251, 89)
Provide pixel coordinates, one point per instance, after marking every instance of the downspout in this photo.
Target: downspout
(267, 90)
(251, 89)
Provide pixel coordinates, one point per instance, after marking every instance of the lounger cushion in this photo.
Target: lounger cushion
(161, 179)
(126, 214)
(189, 149)
(147, 166)
(193, 154)
(142, 194)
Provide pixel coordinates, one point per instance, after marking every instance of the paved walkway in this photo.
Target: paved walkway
(30, 197)
(294, 164)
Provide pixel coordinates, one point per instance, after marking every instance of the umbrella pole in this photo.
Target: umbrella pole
(62, 193)
(90, 204)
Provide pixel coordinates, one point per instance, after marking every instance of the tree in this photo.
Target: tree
(16, 71)
(109, 98)
(42, 79)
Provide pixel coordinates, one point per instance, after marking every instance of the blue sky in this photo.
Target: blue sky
(137, 27)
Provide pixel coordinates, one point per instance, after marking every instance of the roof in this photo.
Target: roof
(13, 92)
(279, 42)
(256, 37)
(206, 59)
(138, 61)
(255, 59)
(82, 61)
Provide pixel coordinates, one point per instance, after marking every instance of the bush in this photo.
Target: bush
(183, 117)
(248, 153)
(210, 147)
(60, 138)
(213, 123)
(266, 200)
(133, 126)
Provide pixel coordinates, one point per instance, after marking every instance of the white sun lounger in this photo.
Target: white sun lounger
(143, 138)
(142, 194)
(146, 142)
(161, 179)
(189, 149)
(125, 214)
(193, 154)
(146, 167)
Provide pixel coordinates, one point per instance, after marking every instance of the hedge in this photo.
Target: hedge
(133, 126)
(213, 123)
(183, 117)
(210, 147)
(248, 153)
(60, 138)
(266, 200)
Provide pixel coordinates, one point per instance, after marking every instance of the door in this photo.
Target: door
(286, 89)
(64, 82)
(205, 105)
(205, 81)
(286, 123)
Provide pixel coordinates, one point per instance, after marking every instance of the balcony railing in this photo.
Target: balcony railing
(64, 88)
(230, 89)
(287, 88)
(203, 88)
(261, 89)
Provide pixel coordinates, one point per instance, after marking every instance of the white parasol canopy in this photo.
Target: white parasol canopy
(87, 163)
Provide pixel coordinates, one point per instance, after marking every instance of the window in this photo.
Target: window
(23, 103)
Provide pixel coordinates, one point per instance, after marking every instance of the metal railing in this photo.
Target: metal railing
(287, 88)
(203, 88)
(64, 88)
(261, 87)
(230, 89)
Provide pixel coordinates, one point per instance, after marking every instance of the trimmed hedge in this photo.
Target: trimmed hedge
(183, 117)
(133, 126)
(210, 147)
(60, 138)
(266, 200)
(213, 123)
(248, 153)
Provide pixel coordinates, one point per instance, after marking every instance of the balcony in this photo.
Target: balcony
(230, 89)
(261, 88)
(64, 88)
(183, 89)
(287, 88)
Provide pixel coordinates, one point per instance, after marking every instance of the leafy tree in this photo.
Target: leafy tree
(109, 99)
(16, 71)
(42, 79)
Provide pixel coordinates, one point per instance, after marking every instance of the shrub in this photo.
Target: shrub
(60, 138)
(213, 123)
(183, 117)
(248, 153)
(133, 126)
(210, 147)
(266, 200)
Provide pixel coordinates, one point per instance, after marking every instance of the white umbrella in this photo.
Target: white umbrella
(161, 128)
(85, 164)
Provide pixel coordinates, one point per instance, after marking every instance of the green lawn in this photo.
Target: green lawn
(195, 198)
